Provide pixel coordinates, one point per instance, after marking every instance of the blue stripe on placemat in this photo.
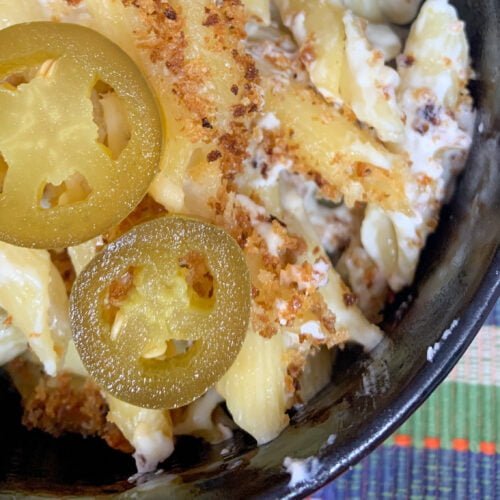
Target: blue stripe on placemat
(415, 487)
(403, 469)
(446, 479)
(431, 478)
(400, 473)
(460, 479)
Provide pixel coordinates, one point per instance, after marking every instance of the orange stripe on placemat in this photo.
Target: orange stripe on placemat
(487, 448)
(432, 443)
(403, 440)
(460, 444)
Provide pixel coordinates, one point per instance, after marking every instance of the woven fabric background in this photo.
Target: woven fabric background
(450, 447)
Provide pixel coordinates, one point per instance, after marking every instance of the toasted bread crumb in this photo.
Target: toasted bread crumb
(64, 404)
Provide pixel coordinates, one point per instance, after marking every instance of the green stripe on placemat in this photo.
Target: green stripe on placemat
(457, 411)
(464, 412)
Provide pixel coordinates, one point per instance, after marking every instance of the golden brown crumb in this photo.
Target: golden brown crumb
(205, 123)
(214, 155)
(198, 275)
(167, 41)
(148, 209)
(64, 404)
(284, 289)
(170, 13)
(120, 288)
(350, 299)
(61, 260)
(211, 20)
(239, 110)
(307, 54)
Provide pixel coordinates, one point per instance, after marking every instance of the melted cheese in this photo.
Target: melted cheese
(150, 432)
(33, 294)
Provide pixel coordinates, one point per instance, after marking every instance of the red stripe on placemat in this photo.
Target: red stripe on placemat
(432, 443)
(487, 448)
(403, 440)
(460, 444)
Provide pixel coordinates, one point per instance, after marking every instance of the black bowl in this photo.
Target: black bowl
(458, 278)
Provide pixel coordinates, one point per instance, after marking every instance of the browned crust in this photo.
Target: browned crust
(270, 274)
(148, 209)
(165, 41)
(63, 264)
(64, 404)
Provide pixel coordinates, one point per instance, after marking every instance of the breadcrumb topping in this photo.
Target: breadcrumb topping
(64, 404)
(244, 123)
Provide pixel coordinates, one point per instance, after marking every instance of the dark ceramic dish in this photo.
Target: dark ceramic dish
(458, 279)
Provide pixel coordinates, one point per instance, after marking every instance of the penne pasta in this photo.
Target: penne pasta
(345, 159)
(28, 277)
(254, 387)
(299, 129)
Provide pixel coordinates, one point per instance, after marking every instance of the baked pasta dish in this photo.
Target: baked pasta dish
(202, 201)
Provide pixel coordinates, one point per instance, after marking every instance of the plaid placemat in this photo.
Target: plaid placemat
(450, 448)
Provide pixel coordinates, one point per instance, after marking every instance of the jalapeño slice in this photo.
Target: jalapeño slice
(80, 134)
(160, 315)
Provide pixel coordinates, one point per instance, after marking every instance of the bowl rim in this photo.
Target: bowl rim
(414, 395)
